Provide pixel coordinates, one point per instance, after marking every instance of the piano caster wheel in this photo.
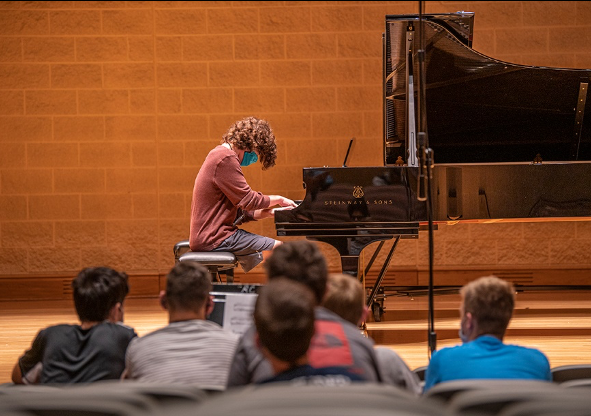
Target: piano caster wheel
(377, 311)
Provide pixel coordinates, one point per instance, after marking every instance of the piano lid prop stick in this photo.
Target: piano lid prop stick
(411, 128)
(347, 155)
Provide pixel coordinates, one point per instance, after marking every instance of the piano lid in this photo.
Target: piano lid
(481, 109)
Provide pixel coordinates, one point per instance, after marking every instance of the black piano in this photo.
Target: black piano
(510, 143)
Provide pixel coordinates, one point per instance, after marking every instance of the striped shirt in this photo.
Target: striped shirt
(197, 352)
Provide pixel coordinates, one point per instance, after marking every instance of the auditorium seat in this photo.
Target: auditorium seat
(446, 391)
(101, 398)
(570, 372)
(420, 372)
(164, 394)
(16, 413)
(65, 403)
(490, 402)
(288, 399)
(11, 388)
(580, 382)
(494, 401)
(551, 407)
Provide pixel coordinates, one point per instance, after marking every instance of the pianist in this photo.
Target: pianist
(222, 199)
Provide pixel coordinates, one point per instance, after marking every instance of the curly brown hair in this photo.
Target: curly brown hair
(253, 134)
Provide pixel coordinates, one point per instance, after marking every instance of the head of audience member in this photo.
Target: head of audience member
(284, 320)
(302, 261)
(252, 134)
(99, 293)
(486, 309)
(345, 297)
(187, 295)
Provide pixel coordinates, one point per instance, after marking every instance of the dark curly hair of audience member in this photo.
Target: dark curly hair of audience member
(301, 261)
(253, 134)
(97, 290)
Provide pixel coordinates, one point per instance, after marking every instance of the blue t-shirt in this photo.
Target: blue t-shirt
(486, 357)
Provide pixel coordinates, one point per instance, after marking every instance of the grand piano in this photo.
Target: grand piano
(510, 142)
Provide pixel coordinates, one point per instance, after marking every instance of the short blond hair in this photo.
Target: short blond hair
(490, 300)
(345, 297)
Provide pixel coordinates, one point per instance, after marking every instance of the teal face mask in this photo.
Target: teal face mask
(249, 158)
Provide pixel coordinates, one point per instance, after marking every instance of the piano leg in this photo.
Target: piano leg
(350, 264)
(349, 250)
(373, 258)
(377, 307)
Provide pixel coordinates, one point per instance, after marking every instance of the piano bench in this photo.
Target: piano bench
(180, 248)
(217, 262)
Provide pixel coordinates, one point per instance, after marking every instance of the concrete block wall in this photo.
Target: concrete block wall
(107, 109)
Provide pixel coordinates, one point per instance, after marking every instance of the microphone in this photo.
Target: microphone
(422, 179)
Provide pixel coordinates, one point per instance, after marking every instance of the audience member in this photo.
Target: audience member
(345, 297)
(486, 309)
(91, 351)
(284, 320)
(336, 342)
(189, 349)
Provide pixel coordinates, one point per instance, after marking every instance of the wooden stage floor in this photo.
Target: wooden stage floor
(558, 323)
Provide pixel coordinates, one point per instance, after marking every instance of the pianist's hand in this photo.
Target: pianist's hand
(281, 201)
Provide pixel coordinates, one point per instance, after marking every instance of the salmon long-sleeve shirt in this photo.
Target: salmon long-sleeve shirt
(220, 191)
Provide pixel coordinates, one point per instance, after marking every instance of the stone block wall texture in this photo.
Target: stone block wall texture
(108, 108)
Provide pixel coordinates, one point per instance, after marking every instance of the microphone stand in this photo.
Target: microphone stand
(425, 174)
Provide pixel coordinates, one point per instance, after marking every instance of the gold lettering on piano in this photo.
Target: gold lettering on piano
(360, 202)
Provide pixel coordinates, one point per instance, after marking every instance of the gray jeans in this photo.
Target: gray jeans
(247, 247)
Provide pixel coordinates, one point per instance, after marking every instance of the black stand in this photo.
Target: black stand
(425, 164)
